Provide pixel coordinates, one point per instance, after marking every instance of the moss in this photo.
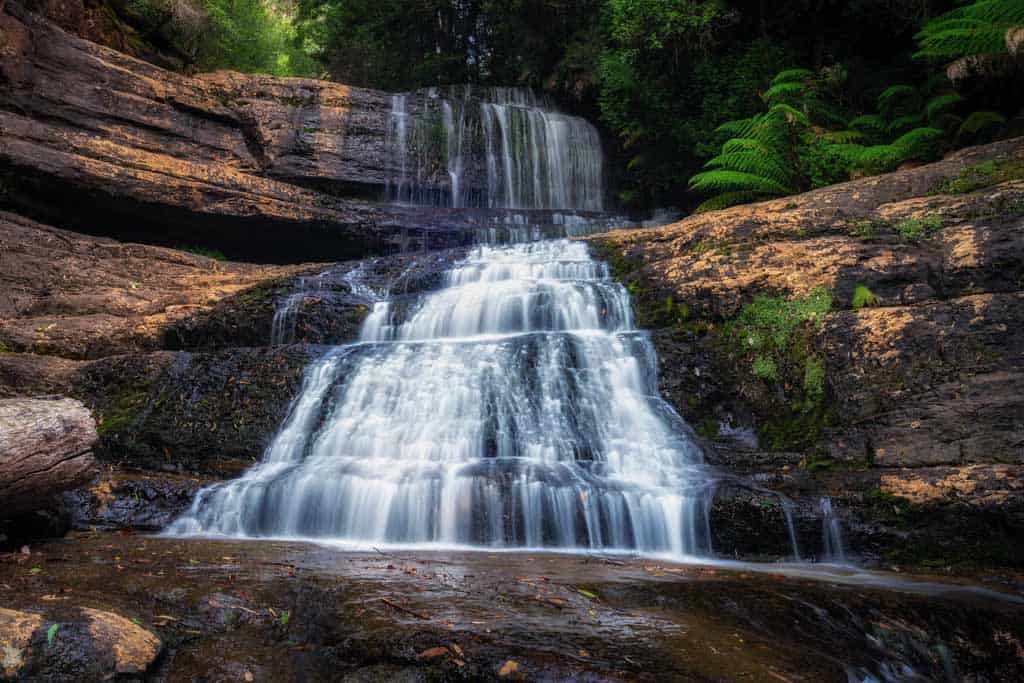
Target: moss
(122, 412)
(862, 296)
(980, 176)
(261, 292)
(814, 380)
(3, 347)
(764, 367)
(795, 429)
(914, 229)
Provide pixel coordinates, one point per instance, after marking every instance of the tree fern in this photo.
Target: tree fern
(979, 28)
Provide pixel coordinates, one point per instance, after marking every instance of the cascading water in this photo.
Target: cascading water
(515, 407)
(831, 533)
(491, 148)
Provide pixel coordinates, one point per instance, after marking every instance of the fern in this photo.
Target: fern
(896, 100)
(940, 105)
(978, 28)
(783, 90)
(902, 123)
(979, 120)
(726, 180)
(869, 124)
(765, 166)
(727, 199)
(791, 75)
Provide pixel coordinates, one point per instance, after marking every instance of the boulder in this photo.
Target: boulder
(83, 644)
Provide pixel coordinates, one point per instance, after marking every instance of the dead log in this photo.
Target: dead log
(45, 448)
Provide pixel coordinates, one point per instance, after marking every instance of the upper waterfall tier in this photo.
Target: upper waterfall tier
(492, 148)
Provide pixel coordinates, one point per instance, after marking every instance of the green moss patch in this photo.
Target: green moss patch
(923, 227)
(980, 176)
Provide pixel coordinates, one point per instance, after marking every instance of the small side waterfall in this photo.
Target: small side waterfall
(491, 148)
(516, 407)
(282, 327)
(831, 533)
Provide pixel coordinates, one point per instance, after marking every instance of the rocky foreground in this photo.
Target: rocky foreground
(270, 611)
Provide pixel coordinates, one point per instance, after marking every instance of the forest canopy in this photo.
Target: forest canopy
(662, 76)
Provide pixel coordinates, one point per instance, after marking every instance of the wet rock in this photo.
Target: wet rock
(131, 501)
(83, 644)
(212, 413)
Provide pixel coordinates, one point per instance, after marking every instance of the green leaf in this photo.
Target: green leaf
(51, 633)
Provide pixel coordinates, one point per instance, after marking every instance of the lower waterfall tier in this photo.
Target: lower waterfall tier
(524, 413)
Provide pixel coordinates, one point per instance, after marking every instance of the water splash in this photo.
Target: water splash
(515, 407)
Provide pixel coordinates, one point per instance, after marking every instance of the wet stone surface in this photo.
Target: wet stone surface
(235, 610)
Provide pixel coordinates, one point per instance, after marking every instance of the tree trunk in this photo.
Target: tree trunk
(45, 448)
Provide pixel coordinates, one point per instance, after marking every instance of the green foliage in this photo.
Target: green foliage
(254, 36)
(764, 368)
(51, 633)
(803, 141)
(862, 296)
(980, 176)
(915, 229)
(978, 28)
(767, 323)
(814, 381)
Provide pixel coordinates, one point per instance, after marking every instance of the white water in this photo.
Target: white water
(515, 407)
(831, 533)
(498, 147)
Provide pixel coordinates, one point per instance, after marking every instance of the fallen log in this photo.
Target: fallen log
(45, 448)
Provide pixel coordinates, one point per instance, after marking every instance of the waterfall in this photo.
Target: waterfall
(831, 533)
(491, 148)
(515, 407)
(282, 327)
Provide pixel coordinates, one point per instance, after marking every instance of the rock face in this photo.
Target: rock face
(88, 644)
(100, 142)
(902, 398)
(45, 448)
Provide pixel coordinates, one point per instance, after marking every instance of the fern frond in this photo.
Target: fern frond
(869, 123)
(727, 199)
(978, 120)
(842, 137)
(978, 28)
(792, 75)
(905, 122)
(785, 111)
(721, 180)
(783, 90)
(746, 145)
(917, 143)
(940, 104)
(893, 96)
(755, 163)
